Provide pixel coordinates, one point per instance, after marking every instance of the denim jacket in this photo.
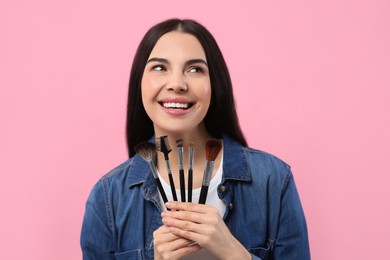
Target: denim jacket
(263, 210)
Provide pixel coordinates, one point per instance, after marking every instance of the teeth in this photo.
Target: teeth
(175, 105)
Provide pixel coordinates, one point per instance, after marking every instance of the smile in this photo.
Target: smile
(174, 105)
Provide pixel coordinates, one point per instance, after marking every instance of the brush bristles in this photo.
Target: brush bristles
(157, 143)
(166, 146)
(192, 144)
(146, 150)
(179, 142)
(212, 149)
(162, 145)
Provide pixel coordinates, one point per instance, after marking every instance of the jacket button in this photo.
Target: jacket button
(230, 205)
(222, 188)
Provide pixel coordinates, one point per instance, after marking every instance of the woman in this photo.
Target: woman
(180, 87)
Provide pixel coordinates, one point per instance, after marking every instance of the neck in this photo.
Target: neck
(199, 136)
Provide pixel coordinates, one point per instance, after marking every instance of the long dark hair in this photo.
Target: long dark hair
(221, 117)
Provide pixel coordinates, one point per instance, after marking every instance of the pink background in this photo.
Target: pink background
(312, 86)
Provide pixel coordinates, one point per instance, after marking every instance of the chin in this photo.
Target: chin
(178, 128)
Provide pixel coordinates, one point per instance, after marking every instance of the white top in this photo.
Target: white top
(212, 194)
(212, 200)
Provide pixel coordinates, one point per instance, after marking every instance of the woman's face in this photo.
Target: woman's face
(176, 88)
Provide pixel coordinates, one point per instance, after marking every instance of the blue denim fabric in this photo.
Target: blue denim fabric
(263, 210)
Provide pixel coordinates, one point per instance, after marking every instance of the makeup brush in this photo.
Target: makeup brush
(212, 149)
(148, 151)
(179, 144)
(162, 145)
(191, 150)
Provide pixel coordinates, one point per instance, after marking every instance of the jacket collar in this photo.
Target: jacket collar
(138, 171)
(235, 165)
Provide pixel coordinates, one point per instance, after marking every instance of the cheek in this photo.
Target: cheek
(150, 86)
(204, 92)
(146, 89)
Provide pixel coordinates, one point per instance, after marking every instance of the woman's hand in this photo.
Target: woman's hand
(169, 246)
(203, 225)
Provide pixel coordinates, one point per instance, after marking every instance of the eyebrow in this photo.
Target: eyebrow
(188, 62)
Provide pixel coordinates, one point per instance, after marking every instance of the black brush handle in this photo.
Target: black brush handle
(203, 194)
(182, 186)
(173, 189)
(190, 185)
(161, 189)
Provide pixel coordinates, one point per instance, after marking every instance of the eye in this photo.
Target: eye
(159, 67)
(196, 70)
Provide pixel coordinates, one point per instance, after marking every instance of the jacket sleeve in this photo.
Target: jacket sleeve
(291, 241)
(97, 241)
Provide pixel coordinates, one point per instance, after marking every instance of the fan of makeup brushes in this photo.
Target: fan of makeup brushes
(148, 152)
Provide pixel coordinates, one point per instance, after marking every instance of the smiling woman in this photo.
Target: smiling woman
(176, 89)
(180, 87)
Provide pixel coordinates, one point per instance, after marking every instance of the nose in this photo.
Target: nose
(177, 82)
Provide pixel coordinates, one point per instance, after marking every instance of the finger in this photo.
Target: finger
(187, 250)
(210, 217)
(162, 229)
(179, 253)
(191, 236)
(183, 215)
(163, 235)
(188, 206)
(184, 225)
(173, 245)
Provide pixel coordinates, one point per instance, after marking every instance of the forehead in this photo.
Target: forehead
(178, 44)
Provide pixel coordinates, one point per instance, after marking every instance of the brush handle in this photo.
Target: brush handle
(182, 185)
(161, 190)
(173, 189)
(203, 194)
(208, 170)
(190, 185)
(171, 182)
